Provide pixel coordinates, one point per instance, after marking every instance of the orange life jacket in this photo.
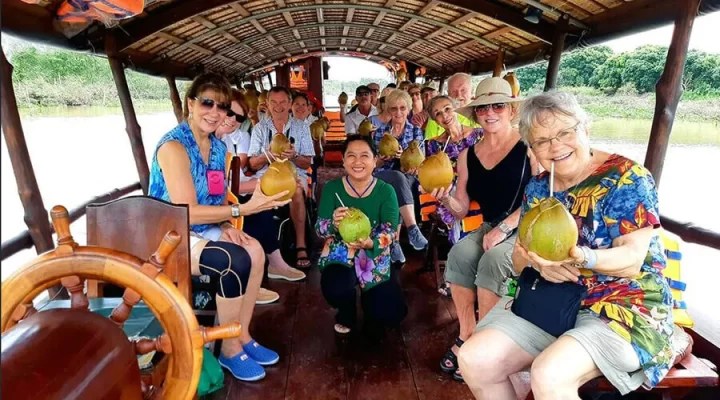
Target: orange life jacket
(84, 11)
(472, 221)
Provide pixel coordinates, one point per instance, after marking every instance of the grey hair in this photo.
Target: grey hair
(535, 108)
(436, 99)
(458, 75)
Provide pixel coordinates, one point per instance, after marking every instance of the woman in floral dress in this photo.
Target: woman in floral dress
(624, 327)
(442, 111)
(365, 262)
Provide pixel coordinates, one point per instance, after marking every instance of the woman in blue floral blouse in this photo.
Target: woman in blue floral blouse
(365, 262)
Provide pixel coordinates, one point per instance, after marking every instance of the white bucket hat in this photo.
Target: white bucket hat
(490, 91)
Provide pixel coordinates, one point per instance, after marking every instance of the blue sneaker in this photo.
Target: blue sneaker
(262, 355)
(396, 253)
(416, 238)
(242, 367)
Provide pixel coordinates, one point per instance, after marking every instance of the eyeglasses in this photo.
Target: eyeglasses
(563, 136)
(375, 90)
(208, 104)
(239, 118)
(486, 107)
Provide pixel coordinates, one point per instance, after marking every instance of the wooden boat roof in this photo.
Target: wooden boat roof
(237, 38)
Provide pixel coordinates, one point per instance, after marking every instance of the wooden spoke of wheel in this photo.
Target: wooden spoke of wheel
(71, 264)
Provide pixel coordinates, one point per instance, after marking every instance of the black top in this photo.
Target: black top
(494, 189)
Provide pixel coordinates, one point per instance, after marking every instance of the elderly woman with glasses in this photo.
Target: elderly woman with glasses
(624, 324)
(492, 173)
(398, 103)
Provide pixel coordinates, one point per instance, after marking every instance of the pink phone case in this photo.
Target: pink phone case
(216, 182)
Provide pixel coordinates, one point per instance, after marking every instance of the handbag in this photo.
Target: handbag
(552, 307)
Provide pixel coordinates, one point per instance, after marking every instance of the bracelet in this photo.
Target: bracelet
(590, 257)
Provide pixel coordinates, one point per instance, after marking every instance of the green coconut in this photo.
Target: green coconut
(436, 172)
(279, 178)
(412, 157)
(354, 226)
(365, 128)
(343, 98)
(389, 146)
(279, 144)
(548, 230)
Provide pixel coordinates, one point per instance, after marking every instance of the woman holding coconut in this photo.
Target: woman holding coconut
(624, 323)
(361, 256)
(493, 173)
(399, 103)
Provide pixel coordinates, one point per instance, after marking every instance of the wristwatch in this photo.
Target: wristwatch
(505, 228)
(235, 210)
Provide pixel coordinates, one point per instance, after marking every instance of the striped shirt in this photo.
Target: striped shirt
(264, 131)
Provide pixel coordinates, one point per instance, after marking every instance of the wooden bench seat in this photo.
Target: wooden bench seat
(690, 373)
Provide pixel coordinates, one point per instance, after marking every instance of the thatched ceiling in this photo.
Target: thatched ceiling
(240, 37)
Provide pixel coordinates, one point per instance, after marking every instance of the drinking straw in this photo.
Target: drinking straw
(552, 175)
(268, 155)
(341, 202)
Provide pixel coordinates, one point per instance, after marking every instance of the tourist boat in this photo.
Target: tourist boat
(245, 40)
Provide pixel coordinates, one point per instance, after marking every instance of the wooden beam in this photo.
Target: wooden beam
(199, 49)
(507, 15)
(169, 37)
(320, 16)
(381, 15)
(204, 22)
(288, 18)
(257, 26)
(35, 215)
(240, 9)
(669, 89)
(558, 46)
(390, 3)
(131, 124)
(175, 99)
(407, 25)
(230, 38)
(429, 7)
(369, 32)
(204, 36)
(350, 14)
(499, 63)
(498, 32)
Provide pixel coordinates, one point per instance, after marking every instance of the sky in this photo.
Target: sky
(705, 37)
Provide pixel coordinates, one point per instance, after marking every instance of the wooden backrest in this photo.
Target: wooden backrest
(136, 225)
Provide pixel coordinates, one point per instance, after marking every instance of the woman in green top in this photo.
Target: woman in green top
(364, 262)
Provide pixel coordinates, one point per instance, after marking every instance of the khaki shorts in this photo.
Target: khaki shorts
(471, 267)
(612, 355)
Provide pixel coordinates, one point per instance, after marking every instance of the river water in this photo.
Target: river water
(79, 157)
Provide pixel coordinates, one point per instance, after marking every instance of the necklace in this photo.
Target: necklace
(569, 191)
(360, 195)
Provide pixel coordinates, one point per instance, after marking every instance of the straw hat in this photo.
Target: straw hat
(490, 91)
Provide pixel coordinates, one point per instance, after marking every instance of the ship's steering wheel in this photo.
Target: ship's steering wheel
(71, 264)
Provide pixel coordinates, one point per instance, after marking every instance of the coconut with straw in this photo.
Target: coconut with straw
(548, 229)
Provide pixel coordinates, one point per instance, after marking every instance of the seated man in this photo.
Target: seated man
(301, 153)
(460, 90)
(364, 110)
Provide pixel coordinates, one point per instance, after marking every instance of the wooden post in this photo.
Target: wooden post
(669, 89)
(175, 99)
(131, 125)
(557, 48)
(36, 216)
(499, 63)
(441, 85)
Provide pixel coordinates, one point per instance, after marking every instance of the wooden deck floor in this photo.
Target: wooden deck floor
(314, 365)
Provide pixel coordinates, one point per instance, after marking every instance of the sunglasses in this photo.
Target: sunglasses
(239, 118)
(208, 104)
(485, 107)
(361, 94)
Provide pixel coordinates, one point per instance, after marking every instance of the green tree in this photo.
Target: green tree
(578, 67)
